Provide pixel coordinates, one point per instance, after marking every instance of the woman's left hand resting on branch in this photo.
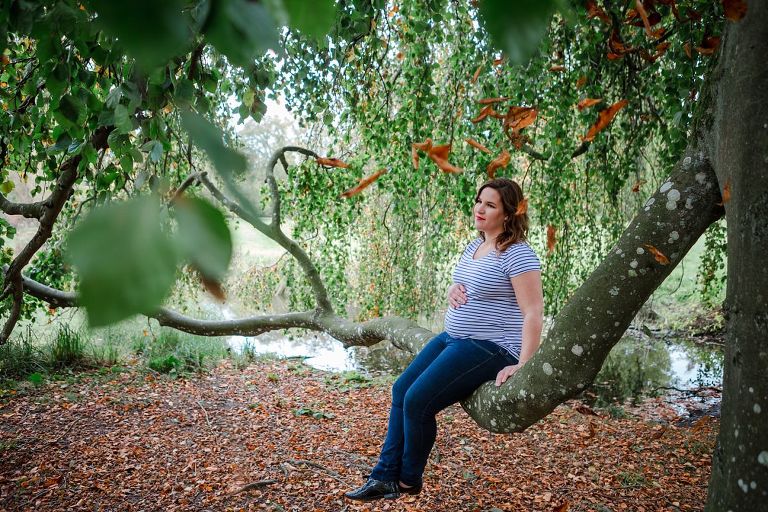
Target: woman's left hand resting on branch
(530, 298)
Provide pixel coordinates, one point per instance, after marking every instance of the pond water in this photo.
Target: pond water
(638, 366)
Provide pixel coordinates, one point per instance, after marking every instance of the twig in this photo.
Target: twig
(314, 466)
(208, 421)
(253, 485)
(66, 430)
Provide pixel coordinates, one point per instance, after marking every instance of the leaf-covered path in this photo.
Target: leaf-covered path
(133, 441)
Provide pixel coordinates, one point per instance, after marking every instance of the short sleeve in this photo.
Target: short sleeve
(518, 259)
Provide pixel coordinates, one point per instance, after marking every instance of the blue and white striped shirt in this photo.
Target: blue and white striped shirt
(491, 312)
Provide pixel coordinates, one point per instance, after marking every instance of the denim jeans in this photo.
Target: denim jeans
(446, 371)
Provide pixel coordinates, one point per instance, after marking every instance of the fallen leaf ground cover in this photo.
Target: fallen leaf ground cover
(280, 436)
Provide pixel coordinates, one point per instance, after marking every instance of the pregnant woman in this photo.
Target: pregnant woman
(492, 327)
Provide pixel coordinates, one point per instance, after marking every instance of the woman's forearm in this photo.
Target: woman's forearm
(532, 323)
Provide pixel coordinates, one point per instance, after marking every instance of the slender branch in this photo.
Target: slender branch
(274, 232)
(280, 155)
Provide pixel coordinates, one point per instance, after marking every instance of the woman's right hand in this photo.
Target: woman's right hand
(457, 295)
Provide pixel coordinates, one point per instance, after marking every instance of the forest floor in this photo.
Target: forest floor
(280, 436)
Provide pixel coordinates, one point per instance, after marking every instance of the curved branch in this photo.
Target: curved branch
(52, 208)
(274, 231)
(280, 155)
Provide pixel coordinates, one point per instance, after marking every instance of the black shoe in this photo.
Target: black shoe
(416, 489)
(376, 490)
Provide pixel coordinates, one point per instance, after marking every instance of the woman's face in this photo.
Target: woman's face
(489, 212)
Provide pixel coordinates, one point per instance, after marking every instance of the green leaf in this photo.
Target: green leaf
(517, 26)
(123, 119)
(155, 150)
(241, 30)
(151, 31)
(204, 237)
(125, 261)
(208, 137)
(314, 18)
(7, 187)
(70, 108)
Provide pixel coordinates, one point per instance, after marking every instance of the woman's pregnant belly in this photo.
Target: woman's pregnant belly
(485, 319)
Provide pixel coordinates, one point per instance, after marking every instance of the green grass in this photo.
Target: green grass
(678, 300)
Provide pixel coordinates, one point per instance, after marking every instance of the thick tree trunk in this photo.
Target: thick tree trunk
(740, 464)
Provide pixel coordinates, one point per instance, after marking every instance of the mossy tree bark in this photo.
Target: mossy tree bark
(740, 133)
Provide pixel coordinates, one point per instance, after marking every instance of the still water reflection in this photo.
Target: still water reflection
(637, 366)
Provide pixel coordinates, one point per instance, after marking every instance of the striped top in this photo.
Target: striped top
(491, 312)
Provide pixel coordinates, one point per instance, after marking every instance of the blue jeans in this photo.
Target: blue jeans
(446, 371)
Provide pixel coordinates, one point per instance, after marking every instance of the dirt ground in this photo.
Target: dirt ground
(280, 436)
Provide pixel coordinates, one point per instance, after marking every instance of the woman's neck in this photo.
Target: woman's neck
(490, 238)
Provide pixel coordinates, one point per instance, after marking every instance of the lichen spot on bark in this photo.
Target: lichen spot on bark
(743, 485)
(614, 291)
(547, 368)
(686, 161)
(762, 458)
(640, 250)
(666, 186)
(756, 408)
(633, 263)
(701, 178)
(577, 349)
(674, 236)
(649, 203)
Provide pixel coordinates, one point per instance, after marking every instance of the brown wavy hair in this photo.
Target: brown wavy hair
(516, 224)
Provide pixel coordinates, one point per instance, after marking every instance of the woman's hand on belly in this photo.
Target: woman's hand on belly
(457, 295)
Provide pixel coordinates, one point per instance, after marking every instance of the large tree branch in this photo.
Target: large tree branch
(29, 210)
(600, 311)
(403, 333)
(51, 208)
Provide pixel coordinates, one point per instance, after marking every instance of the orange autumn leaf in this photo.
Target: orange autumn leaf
(213, 287)
(604, 118)
(445, 165)
(423, 146)
(477, 73)
(581, 82)
(499, 162)
(726, 195)
(708, 45)
(657, 254)
(557, 68)
(616, 47)
(687, 48)
(440, 151)
(419, 146)
(588, 102)
(518, 118)
(499, 61)
(364, 182)
(522, 207)
(477, 145)
(595, 11)
(637, 185)
(734, 9)
(551, 239)
(332, 162)
(646, 22)
(489, 101)
(485, 112)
